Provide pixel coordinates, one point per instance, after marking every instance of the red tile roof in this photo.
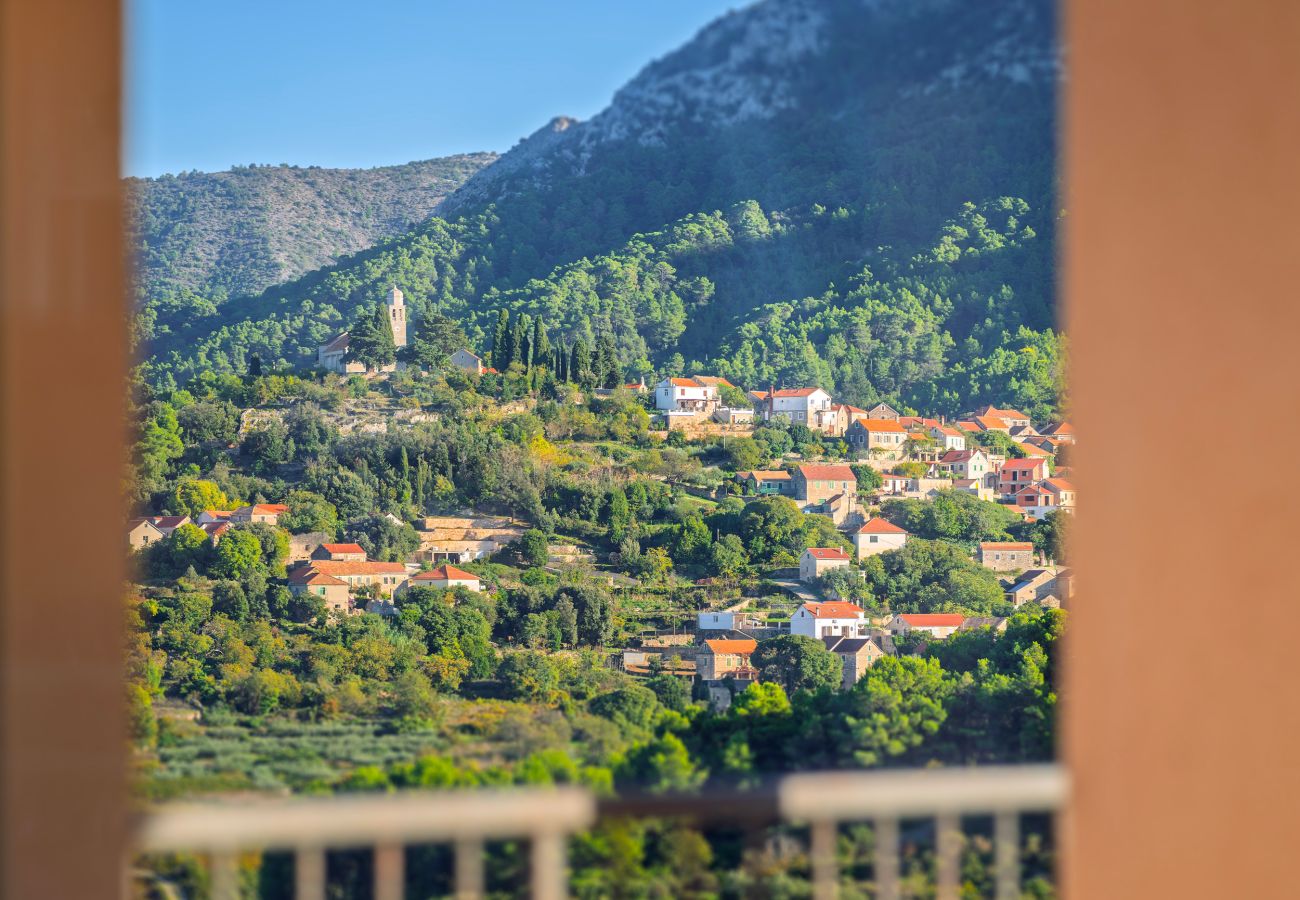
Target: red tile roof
(795, 392)
(274, 508)
(344, 567)
(1025, 464)
(343, 548)
(881, 425)
(992, 423)
(310, 575)
(968, 426)
(1035, 451)
(827, 553)
(446, 573)
(161, 522)
(1058, 484)
(741, 646)
(827, 473)
(833, 609)
(933, 620)
(880, 526)
(684, 382)
(767, 475)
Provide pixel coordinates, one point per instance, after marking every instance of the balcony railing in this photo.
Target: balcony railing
(547, 817)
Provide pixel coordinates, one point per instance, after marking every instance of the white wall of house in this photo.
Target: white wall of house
(806, 624)
(871, 544)
(670, 396)
(715, 621)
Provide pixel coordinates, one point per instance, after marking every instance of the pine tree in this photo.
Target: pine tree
(370, 340)
(501, 342)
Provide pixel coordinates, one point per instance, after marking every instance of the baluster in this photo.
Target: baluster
(825, 867)
(390, 872)
(888, 861)
(548, 867)
(309, 873)
(469, 869)
(1006, 838)
(947, 828)
(224, 870)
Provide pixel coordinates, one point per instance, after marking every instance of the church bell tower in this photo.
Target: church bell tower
(397, 316)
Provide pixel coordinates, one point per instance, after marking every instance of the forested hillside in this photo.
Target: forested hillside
(203, 237)
(856, 195)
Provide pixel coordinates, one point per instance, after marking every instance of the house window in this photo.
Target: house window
(873, 539)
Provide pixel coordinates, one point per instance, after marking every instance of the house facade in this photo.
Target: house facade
(1018, 474)
(857, 654)
(1047, 496)
(965, 463)
(817, 561)
(777, 481)
(816, 484)
(832, 618)
(865, 435)
(936, 625)
(334, 592)
(948, 438)
(140, 533)
(804, 406)
(267, 513)
(386, 577)
(878, 536)
(340, 552)
(470, 362)
(724, 657)
(445, 577)
(685, 395)
(1006, 556)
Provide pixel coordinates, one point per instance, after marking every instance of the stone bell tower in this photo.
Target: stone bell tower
(397, 316)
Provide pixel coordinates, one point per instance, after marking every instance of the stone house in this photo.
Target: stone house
(340, 552)
(828, 618)
(857, 654)
(1006, 556)
(1047, 496)
(268, 513)
(720, 658)
(1033, 586)
(883, 410)
(777, 481)
(878, 536)
(886, 435)
(815, 484)
(335, 592)
(385, 577)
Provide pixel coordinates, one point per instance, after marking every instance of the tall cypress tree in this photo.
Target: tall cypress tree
(501, 342)
(517, 342)
(541, 345)
(580, 362)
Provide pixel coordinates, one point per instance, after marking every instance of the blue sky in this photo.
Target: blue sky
(215, 83)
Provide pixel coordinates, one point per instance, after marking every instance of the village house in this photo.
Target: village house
(1022, 433)
(857, 654)
(724, 620)
(267, 513)
(335, 592)
(865, 435)
(878, 536)
(964, 463)
(926, 488)
(1010, 417)
(948, 438)
(936, 625)
(468, 361)
(340, 552)
(733, 415)
(1060, 431)
(685, 395)
(883, 410)
(992, 423)
(1017, 474)
(140, 533)
(997, 623)
(828, 618)
(776, 481)
(443, 578)
(167, 524)
(893, 484)
(1047, 496)
(332, 356)
(209, 516)
(803, 406)
(829, 490)
(1006, 556)
(983, 488)
(817, 561)
(214, 530)
(720, 658)
(1034, 450)
(385, 577)
(1033, 586)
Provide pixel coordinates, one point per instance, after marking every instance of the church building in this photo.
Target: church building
(333, 354)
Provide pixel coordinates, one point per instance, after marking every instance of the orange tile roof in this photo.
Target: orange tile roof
(684, 382)
(446, 573)
(1006, 545)
(1004, 413)
(741, 646)
(827, 553)
(310, 575)
(768, 474)
(965, 425)
(880, 425)
(343, 548)
(1034, 450)
(880, 526)
(1030, 464)
(827, 473)
(712, 380)
(344, 567)
(833, 609)
(991, 423)
(931, 620)
(1058, 484)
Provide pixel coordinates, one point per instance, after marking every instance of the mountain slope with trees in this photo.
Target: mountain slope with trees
(860, 195)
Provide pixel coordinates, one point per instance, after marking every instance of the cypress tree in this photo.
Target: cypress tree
(541, 345)
(501, 342)
(517, 342)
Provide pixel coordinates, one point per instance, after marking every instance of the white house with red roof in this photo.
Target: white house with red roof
(685, 395)
(937, 625)
(827, 619)
(948, 438)
(445, 577)
(817, 561)
(385, 577)
(965, 463)
(878, 536)
(805, 406)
